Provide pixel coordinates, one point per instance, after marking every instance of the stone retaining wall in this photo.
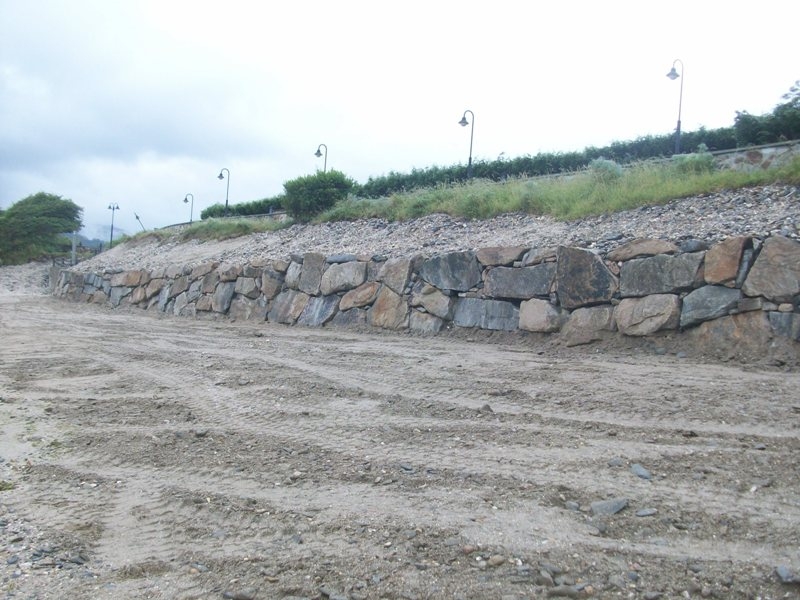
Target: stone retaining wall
(744, 289)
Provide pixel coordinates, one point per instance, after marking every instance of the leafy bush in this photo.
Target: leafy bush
(701, 161)
(308, 196)
(604, 170)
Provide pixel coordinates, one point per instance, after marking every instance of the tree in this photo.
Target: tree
(308, 196)
(34, 226)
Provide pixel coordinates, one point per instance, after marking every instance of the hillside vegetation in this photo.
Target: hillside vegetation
(603, 188)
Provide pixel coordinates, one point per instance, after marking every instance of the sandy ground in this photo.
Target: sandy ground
(143, 457)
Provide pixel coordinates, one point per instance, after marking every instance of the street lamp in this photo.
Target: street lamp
(463, 122)
(227, 189)
(318, 153)
(191, 208)
(140, 221)
(113, 207)
(673, 75)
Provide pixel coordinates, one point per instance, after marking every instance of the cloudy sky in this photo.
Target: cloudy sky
(140, 102)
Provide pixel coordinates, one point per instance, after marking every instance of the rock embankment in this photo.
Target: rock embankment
(735, 295)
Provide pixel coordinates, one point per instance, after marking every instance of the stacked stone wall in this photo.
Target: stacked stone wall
(743, 288)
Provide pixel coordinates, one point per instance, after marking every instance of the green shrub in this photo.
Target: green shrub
(604, 170)
(306, 197)
(701, 161)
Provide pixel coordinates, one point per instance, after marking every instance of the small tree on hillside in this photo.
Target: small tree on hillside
(306, 197)
(34, 226)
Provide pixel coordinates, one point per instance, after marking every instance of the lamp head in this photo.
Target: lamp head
(673, 74)
(317, 153)
(186, 200)
(220, 176)
(463, 122)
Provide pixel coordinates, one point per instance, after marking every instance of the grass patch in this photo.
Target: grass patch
(6, 486)
(574, 196)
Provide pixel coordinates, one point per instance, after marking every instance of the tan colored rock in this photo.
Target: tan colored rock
(776, 272)
(127, 278)
(229, 272)
(643, 316)
(203, 269)
(742, 335)
(390, 310)
(500, 255)
(586, 325)
(395, 273)
(540, 316)
(139, 295)
(433, 300)
(641, 247)
(341, 277)
(361, 296)
(722, 261)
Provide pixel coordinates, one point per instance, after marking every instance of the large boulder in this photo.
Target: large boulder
(390, 310)
(222, 296)
(519, 283)
(707, 303)
(643, 316)
(540, 315)
(314, 265)
(395, 273)
(486, 314)
(342, 276)
(776, 272)
(361, 296)
(319, 310)
(432, 300)
(287, 306)
(722, 261)
(586, 325)
(661, 274)
(583, 279)
(459, 271)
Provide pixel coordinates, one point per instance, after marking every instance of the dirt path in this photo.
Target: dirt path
(171, 458)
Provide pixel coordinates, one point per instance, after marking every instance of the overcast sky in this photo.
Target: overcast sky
(140, 102)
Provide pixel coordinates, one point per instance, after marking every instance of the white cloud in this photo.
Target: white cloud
(143, 102)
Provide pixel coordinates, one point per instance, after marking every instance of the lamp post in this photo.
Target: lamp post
(673, 75)
(191, 208)
(113, 207)
(227, 188)
(463, 122)
(318, 153)
(140, 221)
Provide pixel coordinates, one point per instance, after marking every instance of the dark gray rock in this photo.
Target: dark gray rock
(519, 283)
(458, 271)
(583, 279)
(287, 306)
(311, 274)
(609, 507)
(486, 314)
(785, 324)
(319, 310)
(350, 318)
(707, 303)
(661, 274)
(222, 296)
(776, 272)
(640, 471)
